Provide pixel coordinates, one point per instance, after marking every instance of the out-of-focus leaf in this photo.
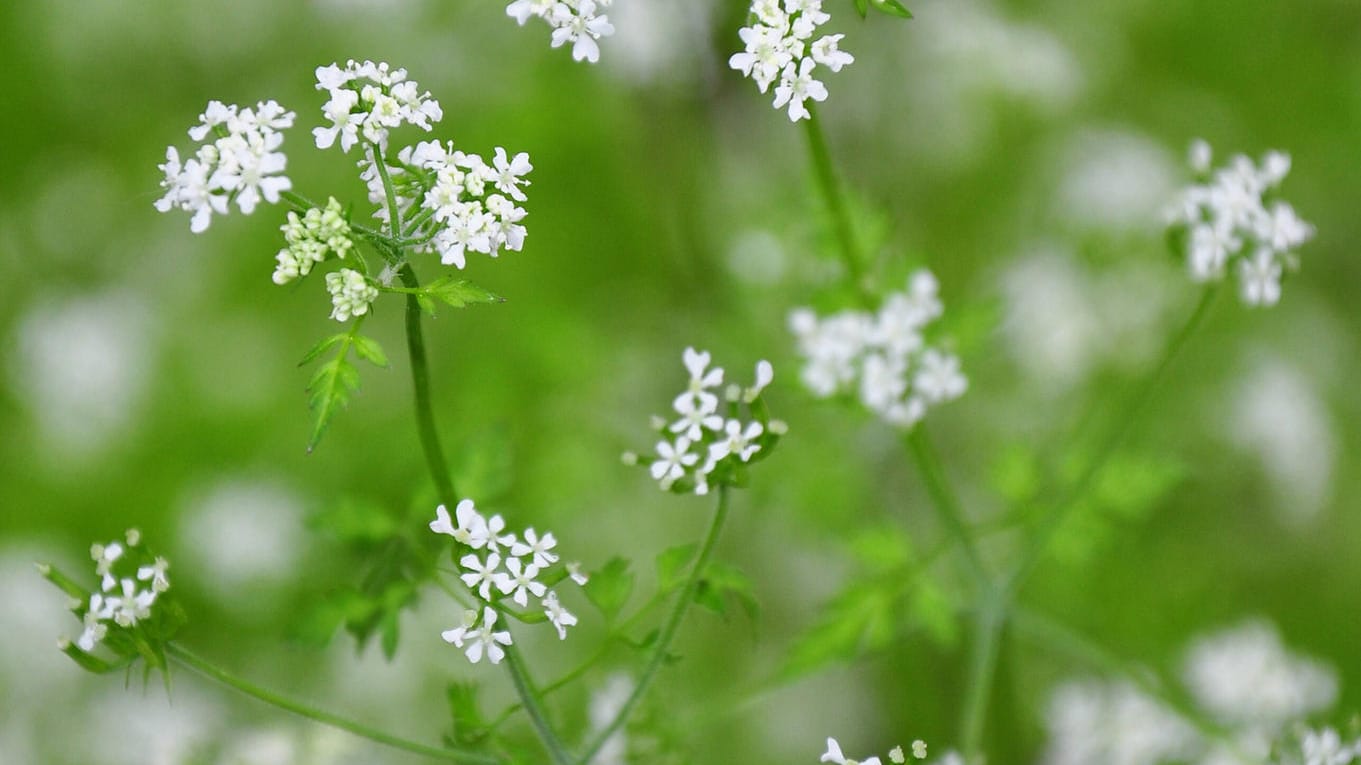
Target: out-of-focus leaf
(355, 521)
(857, 621)
(671, 564)
(931, 608)
(483, 466)
(468, 725)
(610, 587)
(722, 582)
(884, 547)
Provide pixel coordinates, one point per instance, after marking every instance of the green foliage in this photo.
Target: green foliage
(368, 349)
(671, 565)
(722, 583)
(394, 555)
(892, 8)
(859, 620)
(1126, 491)
(610, 587)
(467, 726)
(454, 292)
(862, 7)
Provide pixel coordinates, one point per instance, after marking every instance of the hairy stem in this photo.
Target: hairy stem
(945, 502)
(532, 703)
(668, 631)
(1125, 422)
(836, 202)
(206, 669)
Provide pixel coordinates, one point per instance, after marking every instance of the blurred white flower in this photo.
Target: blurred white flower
(1113, 724)
(606, 701)
(243, 535)
(82, 367)
(1245, 677)
(579, 22)
(124, 728)
(1276, 413)
(1114, 179)
(661, 42)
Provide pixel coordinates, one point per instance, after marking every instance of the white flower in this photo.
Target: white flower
(776, 46)
(580, 22)
(574, 572)
(458, 634)
(132, 606)
(240, 163)
(558, 616)
(482, 575)
(796, 87)
(368, 100)
(104, 557)
(485, 638)
(1259, 279)
(521, 581)
(510, 173)
(1231, 224)
(1325, 747)
(539, 546)
(675, 458)
(738, 441)
(938, 378)
(351, 294)
(95, 628)
(697, 413)
(765, 374)
(156, 573)
(834, 755)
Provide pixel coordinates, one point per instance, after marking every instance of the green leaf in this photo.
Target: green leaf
(671, 565)
(610, 587)
(862, 7)
(329, 392)
(465, 716)
(369, 350)
(881, 548)
(426, 304)
(459, 293)
(484, 465)
(859, 620)
(320, 348)
(933, 610)
(722, 582)
(356, 521)
(892, 8)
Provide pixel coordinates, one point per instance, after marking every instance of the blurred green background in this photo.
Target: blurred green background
(1022, 150)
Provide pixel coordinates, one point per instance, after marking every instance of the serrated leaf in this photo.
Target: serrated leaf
(459, 293)
(859, 620)
(671, 563)
(892, 8)
(722, 582)
(329, 392)
(369, 350)
(862, 7)
(610, 587)
(320, 348)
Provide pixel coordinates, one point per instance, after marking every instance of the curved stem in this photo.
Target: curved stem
(529, 699)
(988, 625)
(836, 203)
(945, 502)
(208, 670)
(668, 631)
(420, 380)
(1125, 421)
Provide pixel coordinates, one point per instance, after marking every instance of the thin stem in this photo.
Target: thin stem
(1125, 421)
(206, 669)
(394, 212)
(836, 203)
(988, 625)
(945, 502)
(532, 703)
(668, 632)
(420, 380)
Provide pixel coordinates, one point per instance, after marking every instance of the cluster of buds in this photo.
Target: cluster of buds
(502, 567)
(311, 239)
(882, 356)
(703, 446)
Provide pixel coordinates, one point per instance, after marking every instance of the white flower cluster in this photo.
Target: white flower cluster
(351, 294)
(469, 204)
(895, 756)
(311, 238)
(1326, 747)
(1244, 679)
(501, 566)
(123, 600)
(778, 46)
(240, 163)
(367, 101)
(884, 355)
(1230, 220)
(579, 22)
(701, 446)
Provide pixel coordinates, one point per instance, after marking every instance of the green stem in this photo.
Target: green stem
(532, 703)
(836, 203)
(990, 620)
(945, 502)
(420, 380)
(211, 671)
(1125, 422)
(668, 631)
(394, 212)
